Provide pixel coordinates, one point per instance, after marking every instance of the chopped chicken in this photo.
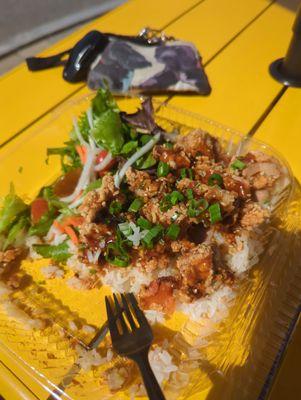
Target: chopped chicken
(175, 157)
(195, 267)
(97, 199)
(253, 215)
(196, 142)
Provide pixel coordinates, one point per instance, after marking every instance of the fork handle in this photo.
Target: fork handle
(151, 384)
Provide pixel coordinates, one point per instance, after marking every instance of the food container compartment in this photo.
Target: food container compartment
(228, 358)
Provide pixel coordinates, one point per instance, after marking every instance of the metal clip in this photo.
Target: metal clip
(154, 36)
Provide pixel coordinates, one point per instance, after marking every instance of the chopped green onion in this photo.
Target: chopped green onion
(186, 172)
(152, 234)
(193, 212)
(215, 179)
(168, 145)
(125, 229)
(163, 169)
(176, 197)
(170, 200)
(115, 207)
(116, 255)
(190, 173)
(136, 205)
(165, 203)
(143, 223)
(173, 231)
(183, 173)
(203, 203)
(196, 207)
(237, 164)
(215, 213)
(189, 194)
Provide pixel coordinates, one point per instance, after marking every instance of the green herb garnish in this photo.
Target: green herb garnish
(189, 194)
(237, 164)
(215, 213)
(173, 231)
(115, 207)
(163, 169)
(153, 233)
(136, 205)
(143, 223)
(117, 255)
(215, 179)
(196, 207)
(176, 197)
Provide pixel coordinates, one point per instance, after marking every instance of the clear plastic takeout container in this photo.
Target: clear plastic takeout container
(233, 361)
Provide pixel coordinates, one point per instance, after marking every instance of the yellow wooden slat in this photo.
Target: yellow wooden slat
(204, 17)
(241, 85)
(213, 23)
(282, 128)
(26, 95)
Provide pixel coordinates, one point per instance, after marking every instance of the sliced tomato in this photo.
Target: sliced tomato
(100, 157)
(38, 208)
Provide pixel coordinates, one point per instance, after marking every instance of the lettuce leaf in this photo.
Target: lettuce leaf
(17, 233)
(143, 119)
(104, 101)
(12, 207)
(108, 132)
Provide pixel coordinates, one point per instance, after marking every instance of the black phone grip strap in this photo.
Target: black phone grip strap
(40, 63)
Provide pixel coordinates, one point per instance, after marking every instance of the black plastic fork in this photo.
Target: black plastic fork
(133, 339)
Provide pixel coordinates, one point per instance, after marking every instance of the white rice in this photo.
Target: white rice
(52, 272)
(244, 253)
(58, 238)
(126, 279)
(162, 364)
(209, 306)
(154, 317)
(76, 283)
(89, 358)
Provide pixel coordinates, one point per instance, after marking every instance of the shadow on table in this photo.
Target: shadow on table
(290, 4)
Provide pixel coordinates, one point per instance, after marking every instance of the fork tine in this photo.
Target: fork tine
(121, 317)
(128, 312)
(111, 319)
(139, 314)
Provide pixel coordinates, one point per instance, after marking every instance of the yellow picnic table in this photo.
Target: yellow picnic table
(237, 40)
